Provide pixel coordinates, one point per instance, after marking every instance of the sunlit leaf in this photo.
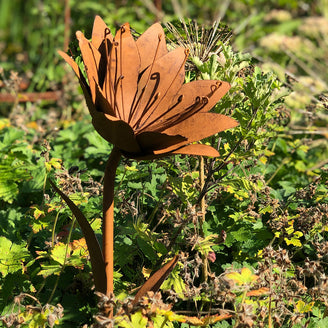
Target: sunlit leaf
(12, 256)
(175, 282)
(244, 277)
(302, 307)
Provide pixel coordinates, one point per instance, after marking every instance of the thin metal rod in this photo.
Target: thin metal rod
(108, 218)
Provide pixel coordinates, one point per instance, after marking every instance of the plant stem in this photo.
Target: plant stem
(54, 230)
(108, 218)
(203, 210)
(64, 263)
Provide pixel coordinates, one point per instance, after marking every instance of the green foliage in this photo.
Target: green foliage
(15, 166)
(12, 256)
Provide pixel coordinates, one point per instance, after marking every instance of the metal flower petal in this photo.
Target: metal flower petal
(137, 97)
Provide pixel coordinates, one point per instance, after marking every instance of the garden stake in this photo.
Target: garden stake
(108, 218)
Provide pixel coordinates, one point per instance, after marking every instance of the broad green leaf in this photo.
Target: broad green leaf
(162, 322)
(147, 249)
(174, 281)
(203, 245)
(96, 224)
(293, 241)
(12, 171)
(302, 307)
(60, 252)
(12, 256)
(183, 187)
(138, 320)
(49, 269)
(53, 163)
(243, 278)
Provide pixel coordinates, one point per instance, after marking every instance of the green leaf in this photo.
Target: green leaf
(302, 307)
(12, 256)
(147, 249)
(47, 269)
(243, 278)
(174, 281)
(58, 253)
(12, 171)
(10, 137)
(136, 320)
(293, 241)
(183, 187)
(288, 187)
(135, 185)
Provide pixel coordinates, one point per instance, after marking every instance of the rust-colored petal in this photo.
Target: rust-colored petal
(115, 131)
(217, 89)
(193, 149)
(196, 149)
(110, 128)
(150, 141)
(151, 45)
(193, 97)
(96, 258)
(70, 61)
(102, 40)
(124, 71)
(91, 59)
(101, 102)
(156, 280)
(83, 83)
(99, 32)
(201, 125)
(158, 84)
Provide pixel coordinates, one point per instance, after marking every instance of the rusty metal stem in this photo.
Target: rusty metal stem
(108, 217)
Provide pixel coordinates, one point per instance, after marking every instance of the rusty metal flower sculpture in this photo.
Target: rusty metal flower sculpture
(138, 101)
(137, 98)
